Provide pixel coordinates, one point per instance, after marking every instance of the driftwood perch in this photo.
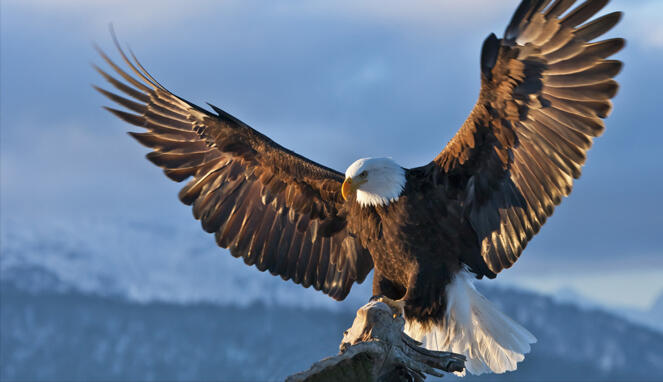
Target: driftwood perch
(375, 348)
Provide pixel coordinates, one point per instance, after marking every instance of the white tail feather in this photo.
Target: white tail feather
(491, 341)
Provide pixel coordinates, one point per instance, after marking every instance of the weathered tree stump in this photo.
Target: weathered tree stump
(375, 348)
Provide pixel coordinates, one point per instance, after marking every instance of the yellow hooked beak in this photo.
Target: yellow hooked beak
(350, 186)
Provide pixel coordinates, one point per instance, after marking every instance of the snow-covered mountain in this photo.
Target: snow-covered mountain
(652, 317)
(657, 307)
(132, 300)
(144, 261)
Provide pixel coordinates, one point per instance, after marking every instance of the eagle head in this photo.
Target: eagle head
(376, 181)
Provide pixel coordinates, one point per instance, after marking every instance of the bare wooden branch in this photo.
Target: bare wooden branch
(375, 348)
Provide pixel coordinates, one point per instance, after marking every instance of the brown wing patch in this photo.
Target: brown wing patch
(266, 204)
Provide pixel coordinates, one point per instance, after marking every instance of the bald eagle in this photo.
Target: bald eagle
(426, 232)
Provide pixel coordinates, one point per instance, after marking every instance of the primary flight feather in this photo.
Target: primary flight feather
(426, 231)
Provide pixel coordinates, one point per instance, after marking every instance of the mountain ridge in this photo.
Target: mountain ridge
(77, 336)
(138, 301)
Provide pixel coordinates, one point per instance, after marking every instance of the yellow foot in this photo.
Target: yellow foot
(396, 306)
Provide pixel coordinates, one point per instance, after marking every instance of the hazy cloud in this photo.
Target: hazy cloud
(645, 21)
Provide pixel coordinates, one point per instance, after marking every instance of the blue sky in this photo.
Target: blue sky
(334, 81)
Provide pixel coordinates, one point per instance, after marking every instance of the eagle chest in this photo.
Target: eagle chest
(400, 242)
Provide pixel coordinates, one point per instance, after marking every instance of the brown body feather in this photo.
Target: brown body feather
(545, 88)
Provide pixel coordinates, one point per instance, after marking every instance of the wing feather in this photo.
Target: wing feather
(545, 88)
(277, 210)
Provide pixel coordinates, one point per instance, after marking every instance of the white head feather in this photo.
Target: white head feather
(384, 180)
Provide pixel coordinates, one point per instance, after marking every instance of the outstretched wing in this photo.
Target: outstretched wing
(545, 89)
(276, 209)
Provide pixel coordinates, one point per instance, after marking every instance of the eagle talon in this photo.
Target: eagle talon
(396, 306)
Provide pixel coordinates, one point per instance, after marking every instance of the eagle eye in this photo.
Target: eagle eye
(363, 174)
